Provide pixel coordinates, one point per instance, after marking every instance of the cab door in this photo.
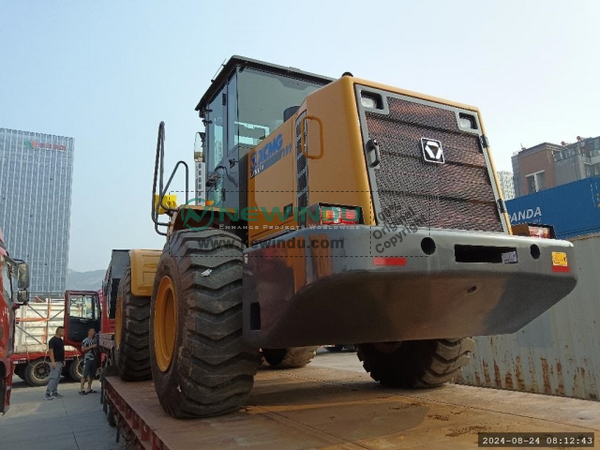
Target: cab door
(82, 312)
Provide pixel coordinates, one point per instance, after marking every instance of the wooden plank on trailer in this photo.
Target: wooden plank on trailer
(326, 408)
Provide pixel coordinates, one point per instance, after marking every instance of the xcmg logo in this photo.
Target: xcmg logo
(268, 155)
(36, 144)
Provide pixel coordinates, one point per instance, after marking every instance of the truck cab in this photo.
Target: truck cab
(82, 312)
(14, 284)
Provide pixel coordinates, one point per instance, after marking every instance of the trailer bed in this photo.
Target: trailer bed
(321, 407)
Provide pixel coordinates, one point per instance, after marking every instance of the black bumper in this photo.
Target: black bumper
(358, 284)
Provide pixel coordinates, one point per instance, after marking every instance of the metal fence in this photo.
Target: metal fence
(559, 352)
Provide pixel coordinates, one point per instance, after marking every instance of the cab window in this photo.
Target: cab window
(214, 132)
(83, 307)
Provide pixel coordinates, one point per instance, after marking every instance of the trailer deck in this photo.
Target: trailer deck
(327, 408)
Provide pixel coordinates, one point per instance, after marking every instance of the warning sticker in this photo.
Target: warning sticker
(510, 257)
(559, 259)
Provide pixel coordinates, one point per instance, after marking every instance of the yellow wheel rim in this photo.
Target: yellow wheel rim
(165, 323)
(118, 320)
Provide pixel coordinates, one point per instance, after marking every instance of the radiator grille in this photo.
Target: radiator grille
(454, 195)
(301, 168)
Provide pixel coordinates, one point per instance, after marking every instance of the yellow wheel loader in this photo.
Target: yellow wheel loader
(336, 210)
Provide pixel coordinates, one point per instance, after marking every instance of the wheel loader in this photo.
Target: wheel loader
(336, 210)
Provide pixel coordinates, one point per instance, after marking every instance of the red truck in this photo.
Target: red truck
(85, 310)
(13, 293)
(78, 311)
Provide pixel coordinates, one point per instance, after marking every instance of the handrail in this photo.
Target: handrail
(303, 141)
(159, 170)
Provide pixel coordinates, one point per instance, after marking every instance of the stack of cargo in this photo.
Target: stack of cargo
(557, 353)
(36, 324)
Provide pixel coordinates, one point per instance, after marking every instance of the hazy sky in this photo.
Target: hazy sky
(107, 72)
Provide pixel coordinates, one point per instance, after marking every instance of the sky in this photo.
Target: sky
(107, 72)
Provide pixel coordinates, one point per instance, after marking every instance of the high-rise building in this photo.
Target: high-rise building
(506, 184)
(36, 174)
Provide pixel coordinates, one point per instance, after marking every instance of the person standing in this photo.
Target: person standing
(56, 348)
(88, 347)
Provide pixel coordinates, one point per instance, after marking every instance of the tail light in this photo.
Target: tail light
(339, 215)
(534, 230)
(319, 214)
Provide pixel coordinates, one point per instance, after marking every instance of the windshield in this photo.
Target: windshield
(82, 306)
(261, 100)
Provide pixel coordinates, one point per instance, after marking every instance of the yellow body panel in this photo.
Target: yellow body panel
(272, 186)
(337, 169)
(143, 269)
(339, 176)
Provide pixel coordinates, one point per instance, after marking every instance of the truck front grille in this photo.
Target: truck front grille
(455, 195)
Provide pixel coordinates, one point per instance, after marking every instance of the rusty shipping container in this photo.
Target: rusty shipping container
(559, 352)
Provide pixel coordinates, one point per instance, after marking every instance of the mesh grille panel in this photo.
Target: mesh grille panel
(302, 182)
(418, 114)
(301, 169)
(454, 195)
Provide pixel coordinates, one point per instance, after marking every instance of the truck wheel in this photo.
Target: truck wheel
(200, 364)
(75, 369)
(132, 333)
(20, 371)
(37, 372)
(289, 358)
(416, 364)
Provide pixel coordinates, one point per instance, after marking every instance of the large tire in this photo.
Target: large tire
(416, 364)
(203, 368)
(132, 344)
(289, 358)
(37, 372)
(75, 369)
(20, 371)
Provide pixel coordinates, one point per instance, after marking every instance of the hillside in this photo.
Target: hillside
(85, 281)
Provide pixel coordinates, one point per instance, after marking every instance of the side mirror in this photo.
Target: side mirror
(22, 297)
(23, 277)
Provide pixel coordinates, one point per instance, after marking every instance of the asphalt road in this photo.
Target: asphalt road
(77, 422)
(74, 422)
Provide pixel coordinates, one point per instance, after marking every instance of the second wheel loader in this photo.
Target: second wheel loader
(336, 210)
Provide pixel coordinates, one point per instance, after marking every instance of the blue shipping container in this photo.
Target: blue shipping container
(573, 209)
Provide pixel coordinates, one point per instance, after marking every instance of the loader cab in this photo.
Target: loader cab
(245, 103)
(82, 312)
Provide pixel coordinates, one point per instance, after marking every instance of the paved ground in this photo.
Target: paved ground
(75, 422)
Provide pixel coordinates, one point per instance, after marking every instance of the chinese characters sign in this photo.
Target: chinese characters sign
(36, 144)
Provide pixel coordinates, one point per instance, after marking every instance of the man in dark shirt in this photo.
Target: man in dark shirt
(56, 352)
